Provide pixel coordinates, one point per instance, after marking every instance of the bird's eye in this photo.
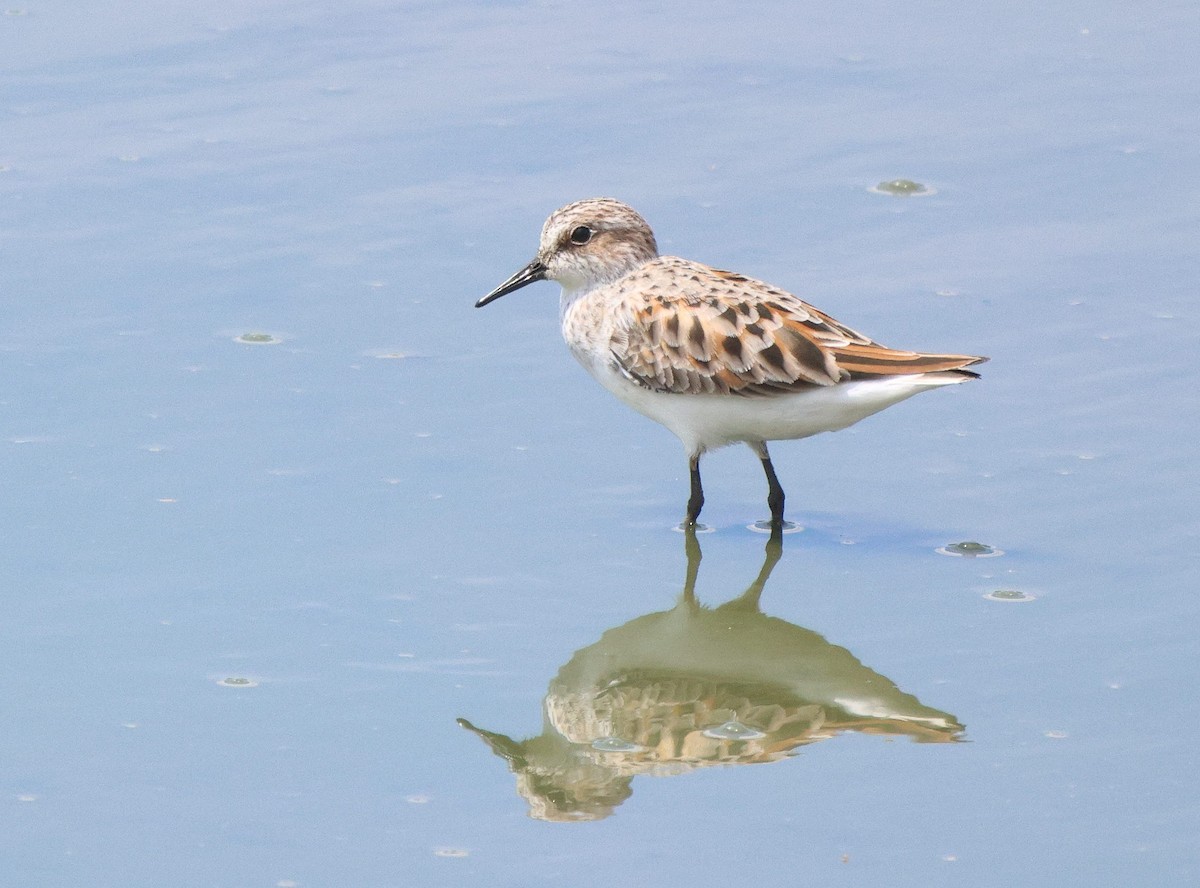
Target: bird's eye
(581, 235)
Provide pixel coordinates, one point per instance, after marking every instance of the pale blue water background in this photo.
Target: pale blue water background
(385, 544)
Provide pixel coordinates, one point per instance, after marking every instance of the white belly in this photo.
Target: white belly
(705, 422)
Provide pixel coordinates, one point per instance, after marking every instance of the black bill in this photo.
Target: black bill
(531, 273)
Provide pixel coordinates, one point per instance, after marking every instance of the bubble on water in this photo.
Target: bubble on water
(616, 744)
(257, 338)
(392, 354)
(734, 730)
(1009, 595)
(236, 681)
(902, 188)
(969, 549)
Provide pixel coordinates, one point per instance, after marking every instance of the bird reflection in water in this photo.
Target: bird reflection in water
(693, 687)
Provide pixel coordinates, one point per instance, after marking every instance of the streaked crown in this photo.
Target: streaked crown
(594, 241)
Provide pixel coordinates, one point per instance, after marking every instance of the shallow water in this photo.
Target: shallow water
(281, 507)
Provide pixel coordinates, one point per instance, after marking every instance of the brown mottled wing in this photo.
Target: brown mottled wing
(685, 327)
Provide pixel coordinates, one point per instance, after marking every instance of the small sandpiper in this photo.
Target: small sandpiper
(714, 356)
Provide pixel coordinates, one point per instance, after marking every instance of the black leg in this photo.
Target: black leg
(696, 500)
(774, 488)
(774, 551)
(691, 547)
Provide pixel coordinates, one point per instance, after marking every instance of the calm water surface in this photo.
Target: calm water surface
(315, 575)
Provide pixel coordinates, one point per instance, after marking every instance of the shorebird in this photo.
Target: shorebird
(714, 356)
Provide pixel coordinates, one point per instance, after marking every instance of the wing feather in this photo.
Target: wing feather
(702, 330)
